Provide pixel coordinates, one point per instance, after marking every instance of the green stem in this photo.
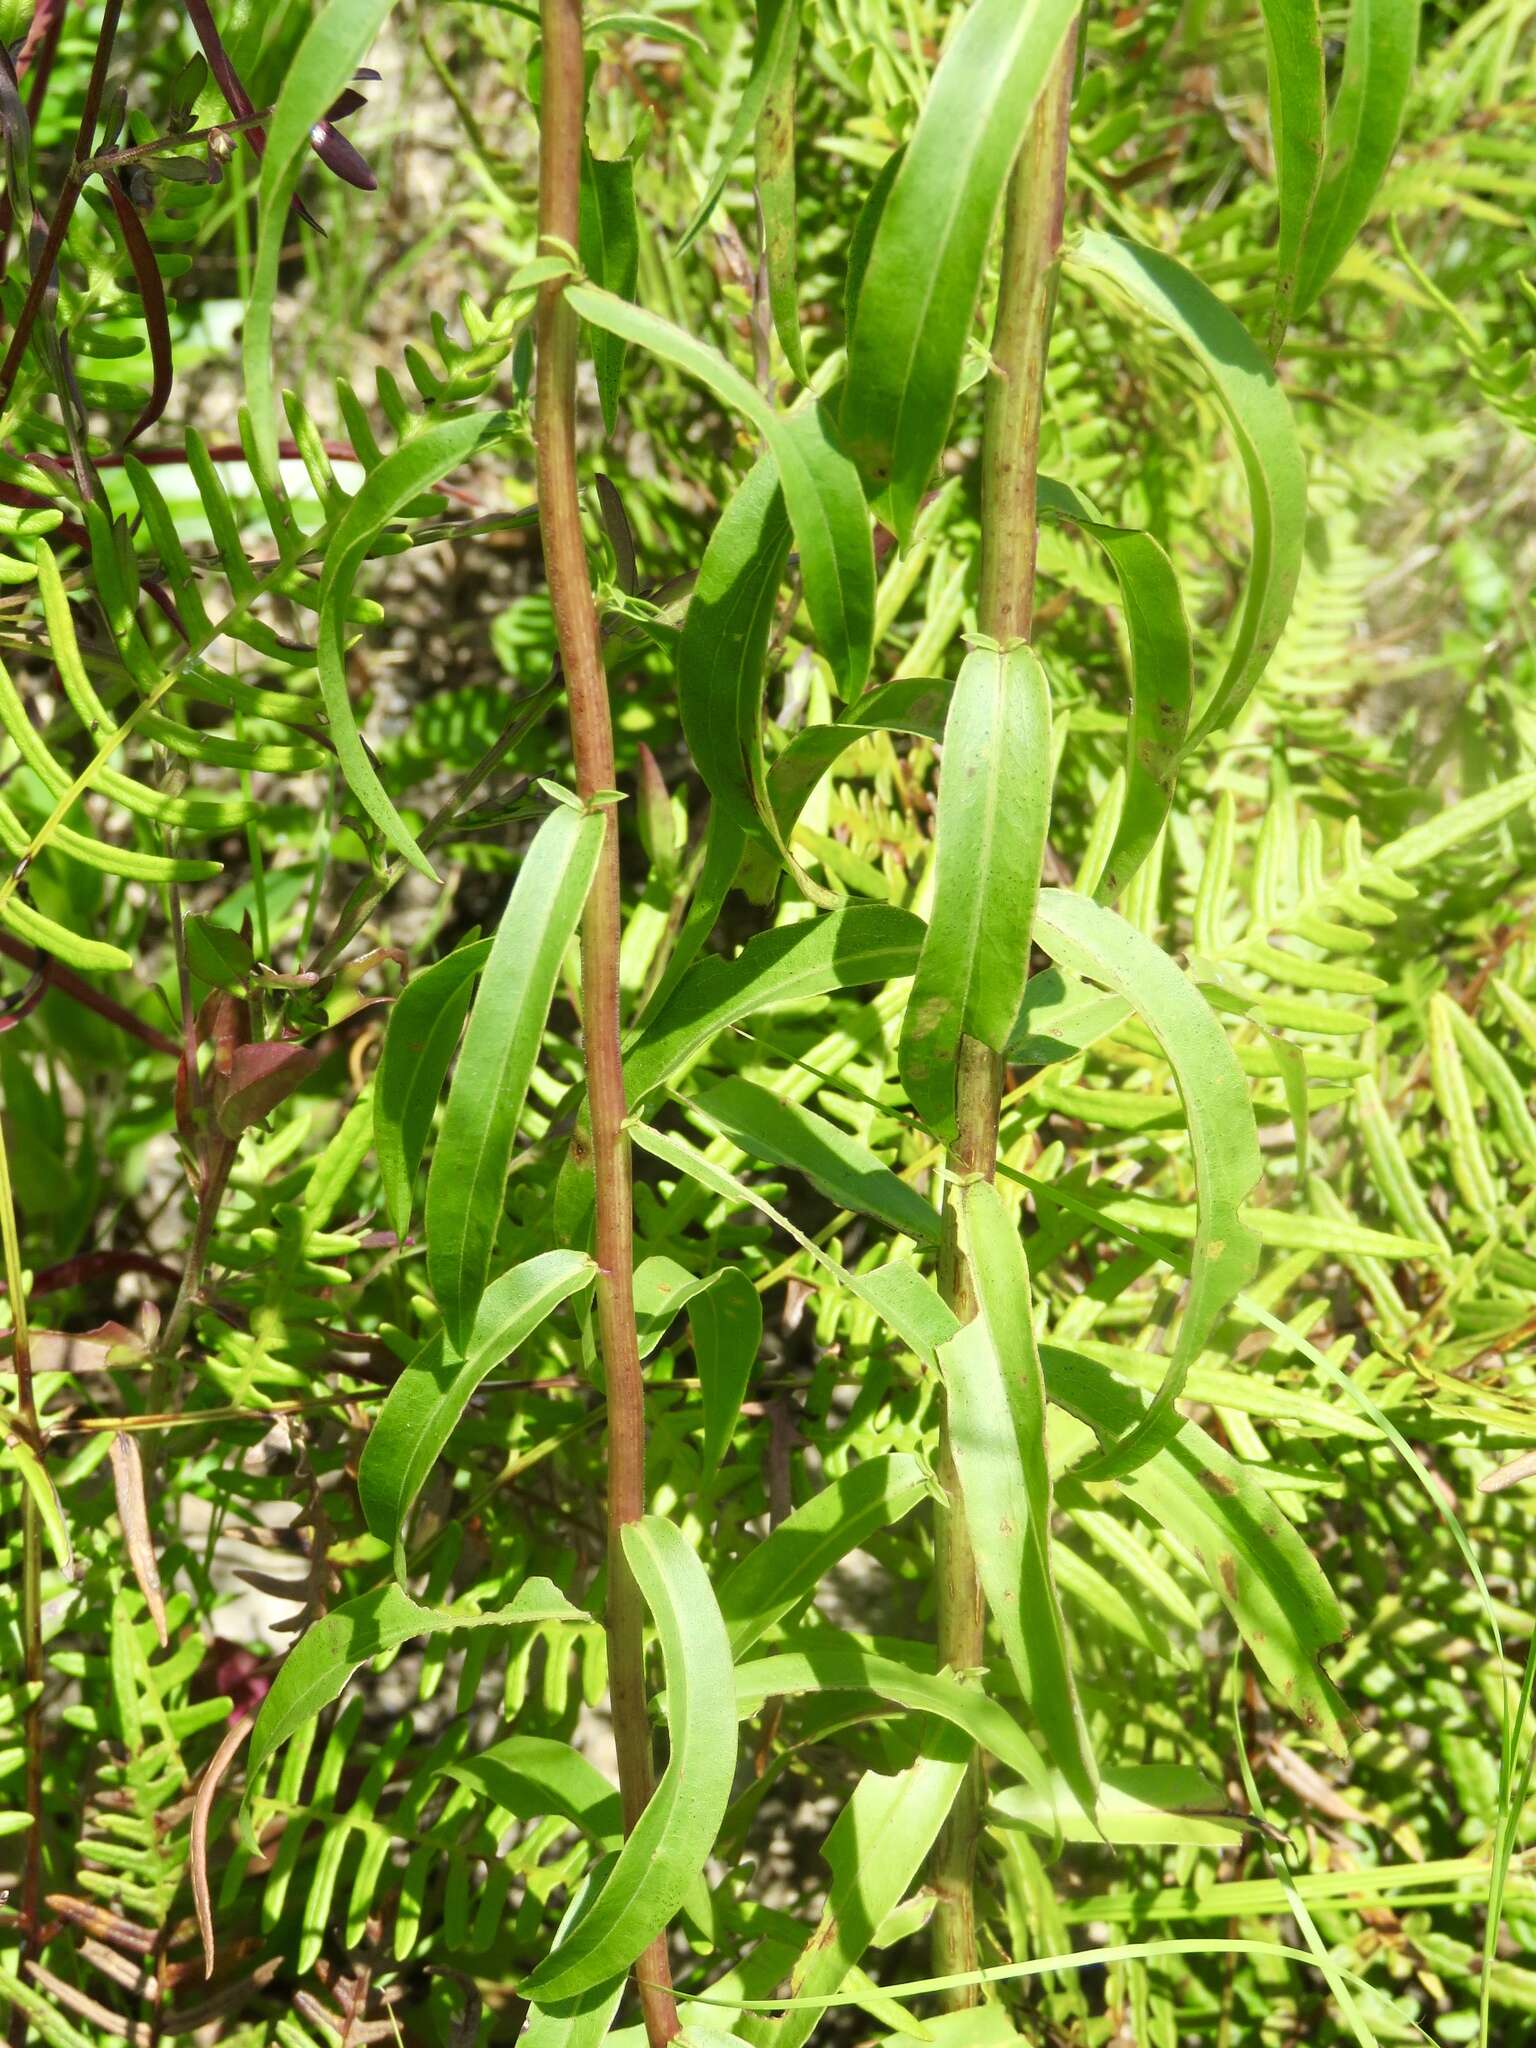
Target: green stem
(561, 119)
(1032, 222)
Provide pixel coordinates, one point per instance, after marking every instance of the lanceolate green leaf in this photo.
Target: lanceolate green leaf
(1093, 941)
(874, 1851)
(917, 296)
(1254, 1560)
(723, 651)
(1367, 116)
(1298, 112)
(995, 1397)
(994, 807)
(825, 1661)
(419, 1042)
(794, 964)
(774, 149)
(466, 1186)
(726, 1316)
(773, 55)
(1138, 1803)
(325, 1656)
(917, 704)
(609, 246)
(1260, 418)
(412, 469)
(790, 1563)
(669, 1844)
(820, 485)
(425, 1403)
(1061, 1016)
(337, 41)
(531, 1776)
(780, 1132)
(686, 1159)
(1162, 680)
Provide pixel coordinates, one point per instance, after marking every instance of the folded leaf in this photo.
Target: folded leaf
(1259, 415)
(1162, 680)
(989, 839)
(820, 485)
(774, 149)
(1089, 940)
(532, 1776)
(1367, 116)
(1137, 1804)
(995, 1396)
(467, 1184)
(330, 1650)
(1298, 112)
(726, 1313)
(609, 247)
(426, 1402)
(722, 653)
(917, 704)
(794, 964)
(419, 1043)
(778, 34)
(790, 1562)
(824, 1661)
(917, 295)
(672, 1838)
(781, 1132)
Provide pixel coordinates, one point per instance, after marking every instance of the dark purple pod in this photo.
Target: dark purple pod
(338, 156)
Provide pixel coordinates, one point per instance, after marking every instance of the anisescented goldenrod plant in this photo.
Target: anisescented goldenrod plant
(853, 1203)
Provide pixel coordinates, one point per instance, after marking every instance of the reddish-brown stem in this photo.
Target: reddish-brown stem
(35, 58)
(561, 118)
(1032, 221)
(64, 210)
(68, 983)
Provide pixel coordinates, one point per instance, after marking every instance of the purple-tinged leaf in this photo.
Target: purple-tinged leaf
(259, 1078)
(157, 328)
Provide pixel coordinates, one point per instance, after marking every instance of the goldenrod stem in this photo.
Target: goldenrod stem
(565, 563)
(1010, 463)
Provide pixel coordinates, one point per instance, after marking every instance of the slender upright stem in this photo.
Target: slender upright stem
(570, 589)
(1032, 224)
